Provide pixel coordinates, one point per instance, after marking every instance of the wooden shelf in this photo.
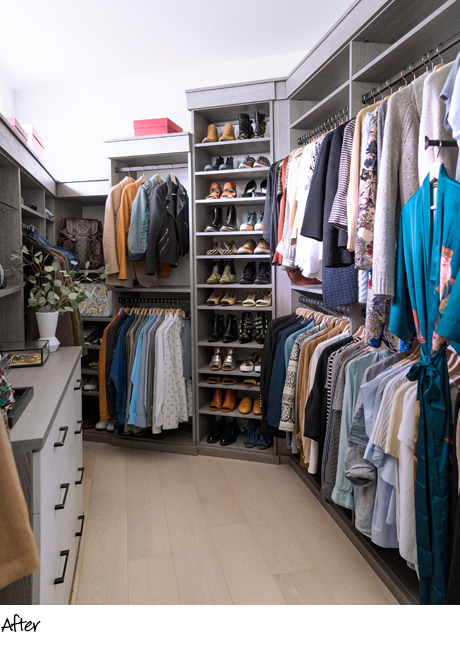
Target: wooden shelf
(237, 308)
(248, 257)
(7, 291)
(333, 103)
(232, 414)
(32, 213)
(233, 344)
(218, 234)
(240, 286)
(235, 174)
(232, 387)
(238, 147)
(235, 373)
(96, 319)
(238, 202)
(238, 451)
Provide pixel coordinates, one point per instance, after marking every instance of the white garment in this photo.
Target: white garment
(174, 404)
(159, 378)
(287, 250)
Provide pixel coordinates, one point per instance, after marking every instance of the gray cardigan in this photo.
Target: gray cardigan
(398, 180)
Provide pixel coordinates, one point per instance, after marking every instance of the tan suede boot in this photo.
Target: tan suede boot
(212, 134)
(228, 135)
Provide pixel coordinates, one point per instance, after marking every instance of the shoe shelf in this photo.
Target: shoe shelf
(96, 319)
(237, 308)
(232, 344)
(235, 174)
(93, 346)
(238, 202)
(88, 371)
(237, 450)
(232, 387)
(241, 286)
(248, 257)
(92, 393)
(28, 212)
(237, 232)
(237, 372)
(236, 147)
(231, 414)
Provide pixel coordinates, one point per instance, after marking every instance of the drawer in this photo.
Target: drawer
(46, 461)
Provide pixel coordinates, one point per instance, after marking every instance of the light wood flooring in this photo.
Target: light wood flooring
(171, 529)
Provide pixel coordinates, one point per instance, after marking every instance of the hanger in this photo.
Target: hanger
(173, 178)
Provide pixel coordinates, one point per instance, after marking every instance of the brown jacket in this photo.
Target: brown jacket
(112, 209)
(18, 550)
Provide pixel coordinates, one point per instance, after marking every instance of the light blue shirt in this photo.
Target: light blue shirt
(140, 219)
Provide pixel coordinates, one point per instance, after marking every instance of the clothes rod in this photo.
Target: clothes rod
(440, 143)
(156, 167)
(330, 123)
(427, 58)
(318, 305)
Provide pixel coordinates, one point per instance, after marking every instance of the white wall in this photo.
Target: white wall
(74, 119)
(7, 106)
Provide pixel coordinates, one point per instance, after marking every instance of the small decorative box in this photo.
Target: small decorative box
(25, 353)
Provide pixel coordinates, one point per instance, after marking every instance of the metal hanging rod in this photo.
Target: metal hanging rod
(317, 304)
(137, 302)
(325, 127)
(427, 58)
(156, 167)
(439, 143)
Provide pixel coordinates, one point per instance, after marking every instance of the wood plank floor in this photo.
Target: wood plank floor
(171, 529)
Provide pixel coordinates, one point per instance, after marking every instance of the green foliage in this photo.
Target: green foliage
(52, 289)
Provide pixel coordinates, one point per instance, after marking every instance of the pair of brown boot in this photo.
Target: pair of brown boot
(223, 402)
(227, 136)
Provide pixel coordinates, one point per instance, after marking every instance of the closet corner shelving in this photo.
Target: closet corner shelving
(207, 108)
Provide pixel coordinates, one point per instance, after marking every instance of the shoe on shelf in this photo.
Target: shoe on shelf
(251, 382)
(216, 402)
(248, 247)
(229, 191)
(216, 166)
(91, 385)
(229, 403)
(228, 275)
(110, 426)
(217, 431)
(230, 219)
(246, 328)
(251, 297)
(218, 329)
(211, 137)
(264, 441)
(251, 434)
(260, 327)
(262, 192)
(215, 297)
(230, 298)
(231, 248)
(245, 127)
(250, 222)
(256, 409)
(258, 365)
(214, 379)
(262, 162)
(264, 275)
(228, 135)
(249, 273)
(260, 125)
(259, 226)
(226, 166)
(249, 363)
(216, 360)
(214, 192)
(218, 249)
(231, 330)
(249, 189)
(229, 363)
(248, 162)
(216, 223)
(217, 271)
(94, 366)
(266, 299)
(102, 425)
(245, 405)
(262, 247)
(229, 381)
(231, 433)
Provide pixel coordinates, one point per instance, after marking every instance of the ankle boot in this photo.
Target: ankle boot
(216, 223)
(212, 134)
(230, 220)
(228, 275)
(216, 166)
(228, 135)
(217, 271)
(260, 125)
(245, 127)
(231, 330)
(249, 273)
(264, 274)
(218, 329)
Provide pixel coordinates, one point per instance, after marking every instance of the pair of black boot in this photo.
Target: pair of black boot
(251, 328)
(218, 223)
(227, 333)
(262, 277)
(245, 126)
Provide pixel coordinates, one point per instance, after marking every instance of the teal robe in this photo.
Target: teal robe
(426, 304)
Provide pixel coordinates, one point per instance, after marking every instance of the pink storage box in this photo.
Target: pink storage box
(17, 127)
(35, 141)
(164, 126)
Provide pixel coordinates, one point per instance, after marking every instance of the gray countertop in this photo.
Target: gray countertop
(49, 382)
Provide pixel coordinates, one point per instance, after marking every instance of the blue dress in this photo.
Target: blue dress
(427, 302)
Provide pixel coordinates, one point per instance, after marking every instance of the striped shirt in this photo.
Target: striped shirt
(338, 217)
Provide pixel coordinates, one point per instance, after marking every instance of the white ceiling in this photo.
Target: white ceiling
(51, 42)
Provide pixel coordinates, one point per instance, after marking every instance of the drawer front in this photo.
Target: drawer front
(55, 453)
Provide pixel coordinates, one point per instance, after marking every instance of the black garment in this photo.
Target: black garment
(316, 406)
(268, 355)
(312, 226)
(111, 342)
(168, 238)
(271, 209)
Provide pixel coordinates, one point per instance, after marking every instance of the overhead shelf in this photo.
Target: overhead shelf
(32, 213)
(336, 101)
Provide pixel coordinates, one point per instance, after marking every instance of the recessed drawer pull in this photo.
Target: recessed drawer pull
(63, 553)
(78, 387)
(60, 443)
(78, 431)
(60, 506)
(80, 469)
(82, 518)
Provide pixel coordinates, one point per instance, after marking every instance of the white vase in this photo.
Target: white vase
(47, 324)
